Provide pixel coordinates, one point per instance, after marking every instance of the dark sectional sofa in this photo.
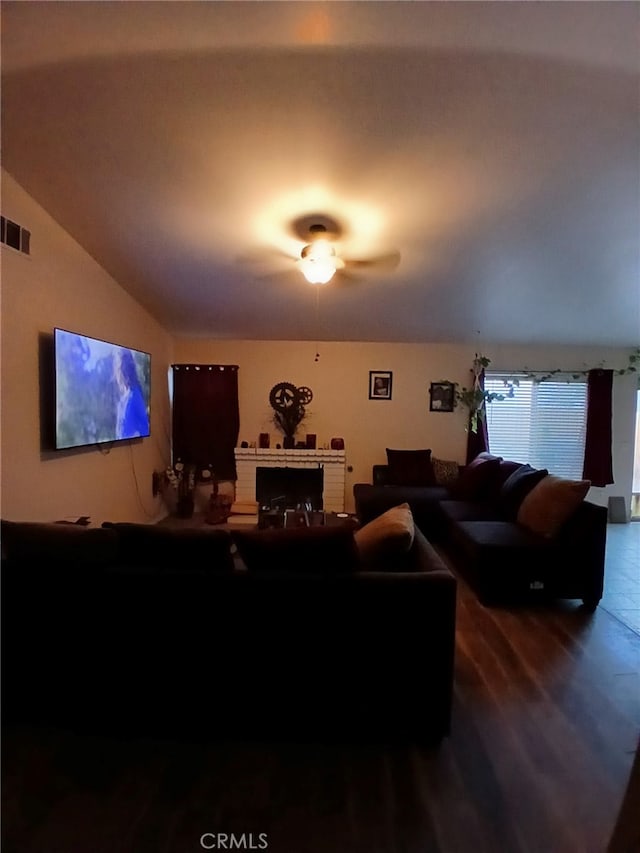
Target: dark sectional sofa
(475, 519)
(157, 630)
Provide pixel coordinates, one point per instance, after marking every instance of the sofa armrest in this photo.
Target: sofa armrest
(583, 540)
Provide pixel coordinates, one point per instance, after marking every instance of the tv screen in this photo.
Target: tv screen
(102, 391)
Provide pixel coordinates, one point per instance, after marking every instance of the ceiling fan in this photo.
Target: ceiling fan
(319, 261)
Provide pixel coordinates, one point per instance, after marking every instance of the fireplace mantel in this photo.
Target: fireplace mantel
(332, 461)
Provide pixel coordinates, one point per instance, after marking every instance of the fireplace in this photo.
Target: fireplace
(289, 488)
(330, 462)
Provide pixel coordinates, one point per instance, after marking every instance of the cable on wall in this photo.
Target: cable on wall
(137, 485)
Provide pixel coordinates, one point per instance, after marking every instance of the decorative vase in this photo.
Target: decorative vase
(185, 506)
(219, 509)
(219, 506)
(289, 441)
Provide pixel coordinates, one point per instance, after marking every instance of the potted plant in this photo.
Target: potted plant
(181, 478)
(288, 403)
(288, 421)
(476, 398)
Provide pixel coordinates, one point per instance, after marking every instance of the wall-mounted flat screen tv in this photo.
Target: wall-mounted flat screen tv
(103, 391)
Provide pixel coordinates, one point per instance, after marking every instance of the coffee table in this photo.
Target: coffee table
(315, 518)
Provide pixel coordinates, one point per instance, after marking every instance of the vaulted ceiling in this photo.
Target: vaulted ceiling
(496, 146)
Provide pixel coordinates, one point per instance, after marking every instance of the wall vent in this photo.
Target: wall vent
(14, 235)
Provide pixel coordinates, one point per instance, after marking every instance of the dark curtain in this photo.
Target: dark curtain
(206, 416)
(478, 442)
(598, 463)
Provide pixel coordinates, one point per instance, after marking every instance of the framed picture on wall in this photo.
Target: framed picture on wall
(441, 397)
(380, 382)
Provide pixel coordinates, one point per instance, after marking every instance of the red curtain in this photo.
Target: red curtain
(478, 442)
(206, 416)
(598, 463)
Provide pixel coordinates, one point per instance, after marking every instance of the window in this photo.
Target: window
(543, 423)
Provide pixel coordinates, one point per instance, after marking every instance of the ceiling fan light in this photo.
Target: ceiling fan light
(320, 249)
(318, 262)
(318, 270)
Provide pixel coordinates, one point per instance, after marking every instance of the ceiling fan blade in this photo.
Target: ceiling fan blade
(263, 256)
(381, 263)
(342, 278)
(284, 276)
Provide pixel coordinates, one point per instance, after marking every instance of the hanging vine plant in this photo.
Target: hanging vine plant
(476, 399)
(632, 366)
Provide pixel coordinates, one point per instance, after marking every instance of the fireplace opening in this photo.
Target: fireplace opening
(289, 488)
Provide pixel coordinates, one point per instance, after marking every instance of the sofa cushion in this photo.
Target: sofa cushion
(475, 478)
(316, 550)
(502, 536)
(410, 468)
(516, 487)
(43, 544)
(173, 549)
(550, 504)
(445, 471)
(389, 534)
(469, 511)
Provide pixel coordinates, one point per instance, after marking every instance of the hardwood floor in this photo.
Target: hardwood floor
(545, 724)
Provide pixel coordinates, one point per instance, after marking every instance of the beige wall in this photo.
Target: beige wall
(340, 406)
(60, 285)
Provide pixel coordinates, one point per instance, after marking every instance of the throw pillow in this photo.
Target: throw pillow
(178, 550)
(445, 471)
(316, 550)
(476, 478)
(552, 502)
(410, 468)
(388, 534)
(505, 470)
(516, 487)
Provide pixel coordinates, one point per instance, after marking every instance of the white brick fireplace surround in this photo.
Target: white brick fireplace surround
(332, 461)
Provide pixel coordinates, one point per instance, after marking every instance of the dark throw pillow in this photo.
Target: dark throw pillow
(516, 487)
(476, 478)
(410, 468)
(314, 550)
(505, 470)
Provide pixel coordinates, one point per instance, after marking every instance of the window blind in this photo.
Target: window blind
(543, 423)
